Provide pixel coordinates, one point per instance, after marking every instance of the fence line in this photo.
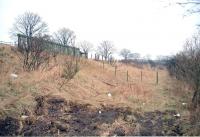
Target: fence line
(139, 76)
(6, 43)
(127, 75)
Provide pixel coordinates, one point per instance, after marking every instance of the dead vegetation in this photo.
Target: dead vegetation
(135, 108)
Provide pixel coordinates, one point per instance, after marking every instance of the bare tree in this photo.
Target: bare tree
(134, 56)
(30, 25)
(85, 46)
(106, 49)
(65, 37)
(31, 34)
(191, 6)
(33, 52)
(125, 53)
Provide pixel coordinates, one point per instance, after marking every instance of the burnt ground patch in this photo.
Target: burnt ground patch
(56, 116)
(10, 126)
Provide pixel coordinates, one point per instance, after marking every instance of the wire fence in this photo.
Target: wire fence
(137, 76)
(124, 73)
(119, 72)
(7, 43)
(131, 74)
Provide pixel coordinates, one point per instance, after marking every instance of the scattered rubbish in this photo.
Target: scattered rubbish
(24, 116)
(14, 76)
(184, 104)
(177, 115)
(99, 111)
(109, 95)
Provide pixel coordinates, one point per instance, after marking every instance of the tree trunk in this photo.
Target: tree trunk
(196, 98)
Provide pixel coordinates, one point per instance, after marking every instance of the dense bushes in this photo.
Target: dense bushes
(185, 66)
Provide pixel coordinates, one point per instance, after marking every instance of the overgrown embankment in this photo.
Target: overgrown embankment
(96, 101)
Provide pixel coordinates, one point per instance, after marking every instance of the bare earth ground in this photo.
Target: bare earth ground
(135, 108)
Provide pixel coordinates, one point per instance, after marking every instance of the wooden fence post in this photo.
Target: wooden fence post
(127, 75)
(74, 51)
(115, 71)
(59, 70)
(157, 77)
(141, 76)
(76, 64)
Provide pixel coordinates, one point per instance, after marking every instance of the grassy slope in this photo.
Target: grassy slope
(91, 85)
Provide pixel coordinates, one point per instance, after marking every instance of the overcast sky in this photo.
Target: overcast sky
(143, 26)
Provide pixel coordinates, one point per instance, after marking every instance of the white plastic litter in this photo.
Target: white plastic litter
(24, 116)
(184, 104)
(99, 111)
(143, 104)
(177, 115)
(109, 95)
(14, 76)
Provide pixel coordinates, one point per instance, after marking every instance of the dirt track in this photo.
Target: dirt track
(56, 116)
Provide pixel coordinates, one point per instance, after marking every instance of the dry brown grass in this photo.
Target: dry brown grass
(90, 85)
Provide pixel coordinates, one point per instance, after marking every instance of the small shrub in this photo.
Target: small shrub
(70, 69)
